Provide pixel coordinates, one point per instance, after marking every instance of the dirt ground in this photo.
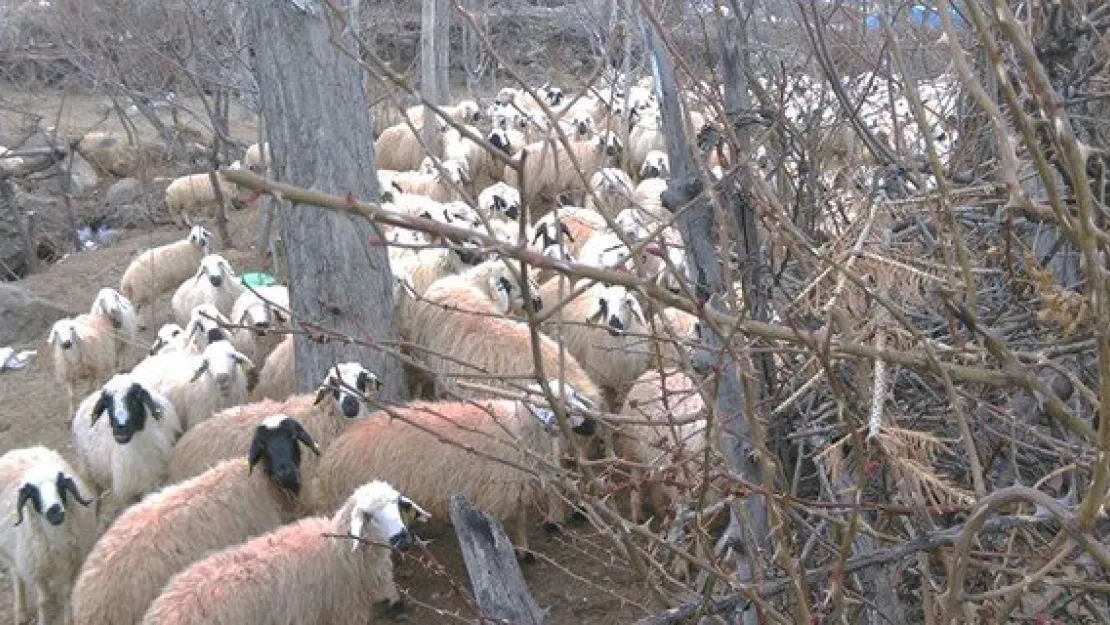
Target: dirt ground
(577, 574)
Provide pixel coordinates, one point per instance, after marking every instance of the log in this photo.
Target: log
(491, 564)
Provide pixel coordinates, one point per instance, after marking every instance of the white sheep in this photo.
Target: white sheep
(605, 329)
(170, 338)
(300, 573)
(181, 524)
(442, 184)
(339, 401)
(194, 194)
(161, 269)
(43, 546)
(257, 157)
(486, 449)
(648, 198)
(500, 200)
(213, 283)
(465, 112)
(563, 232)
(128, 452)
(277, 378)
(645, 137)
(549, 172)
(259, 311)
(84, 353)
(112, 304)
(201, 385)
(398, 148)
(461, 334)
(612, 192)
(656, 165)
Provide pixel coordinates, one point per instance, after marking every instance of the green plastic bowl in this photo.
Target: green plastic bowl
(258, 279)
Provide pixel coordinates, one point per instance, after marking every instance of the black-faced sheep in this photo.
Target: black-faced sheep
(300, 573)
(486, 449)
(43, 544)
(169, 530)
(336, 404)
(162, 269)
(126, 452)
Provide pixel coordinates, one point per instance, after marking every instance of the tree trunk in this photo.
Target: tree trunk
(445, 16)
(433, 15)
(314, 105)
(749, 532)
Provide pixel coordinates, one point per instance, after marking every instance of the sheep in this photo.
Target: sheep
(181, 524)
(84, 353)
(645, 137)
(471, 154)
(616, 350)
(441, 184)
(500, 200)
(227, 433)
(277, 379)
(509, 140)
(648, 198)
(169, 338)
(465, 112)
(677, 433)
(433, 449)
(300, 573)
(612, 189)
(206, 326)
(576, 225)
(161, 269)
(656, 165)
(198, 386)
(549, 171)
(683, 326)
(213, 283)
(257, 157)
(499, 284)
(126, 452)
(43, 547)
(398, 148)
(194, 193)
(260, 311)
(112, 304)
(464, 335)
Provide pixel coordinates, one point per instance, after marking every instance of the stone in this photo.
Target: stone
(24, 318)
(123, 192)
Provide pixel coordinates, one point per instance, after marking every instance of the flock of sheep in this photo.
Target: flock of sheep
(159, 520)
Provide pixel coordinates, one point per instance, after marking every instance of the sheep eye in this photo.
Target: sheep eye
(404, 504)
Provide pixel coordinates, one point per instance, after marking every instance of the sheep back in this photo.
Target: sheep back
(158, 271)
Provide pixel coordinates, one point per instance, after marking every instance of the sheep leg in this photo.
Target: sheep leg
(521, 547)
(636, 497)
(45, 605)
(71, 392)
(19, 592)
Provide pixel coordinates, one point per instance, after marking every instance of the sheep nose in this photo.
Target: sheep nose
(216, 334)
(349, 407)
(289, 480)
(513, 212)
(55, 514)
(401, 540)
(67, 344)
(651, 172)
(537, 304)
(586, 428)
(215, 280)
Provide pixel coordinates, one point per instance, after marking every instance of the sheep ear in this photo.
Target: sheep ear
(148, 401)
(566, 232)
(257, 447)
(200, 370)
(409, 508)
(100, 407)
(303, 436)
(53, 336)
(321, 393)
(541, 229)
(637, 311)
(242, 360)
(67, 485)
(25, 493)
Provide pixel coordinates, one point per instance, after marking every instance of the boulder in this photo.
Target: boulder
(24, 318)
(123, 192)
(13, 256)
(77, 177)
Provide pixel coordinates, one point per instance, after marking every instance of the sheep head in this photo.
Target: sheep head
(575, 404)
(502, 199)
(216, 269)
(112, 304)
(168, 334)
(550, 237)
(379, 512)
(349, 384)
(616, 309)
(656, 165)
(469, 110)
(47, 489)
(64, 334)
(581, 126)
(508, 292)
(609, 143)
(276, 444)
(612, 182)
(201, 238)
(207, 321)
(127, 403)
(222, 361)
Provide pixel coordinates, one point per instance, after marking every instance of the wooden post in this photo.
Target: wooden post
(491, 564)
(30, 236)
(428, 84)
